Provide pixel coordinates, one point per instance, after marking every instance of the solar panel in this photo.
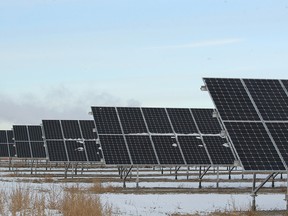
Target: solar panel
(219, 150)
(141, 150)
(107, 120)
(71, 140)
(56, 150)
(252, 110)
(75, 150)
(7, 146)
(71, 129)
(148, 135)
(4, 151)
(194, 150)
(157, 120)
(270, 98)
(29, 141)
(115, 150)
(88, 129)
(279, 132)
(132, 120)
(231, 99)
(206, 123)
(168, 150)
(182, 121)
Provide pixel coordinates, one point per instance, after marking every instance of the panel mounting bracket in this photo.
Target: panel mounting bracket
(203, 88)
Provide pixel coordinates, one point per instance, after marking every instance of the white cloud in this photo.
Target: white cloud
(57, 103)
(205, 43)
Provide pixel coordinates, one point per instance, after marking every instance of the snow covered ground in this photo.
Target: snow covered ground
(165, 204)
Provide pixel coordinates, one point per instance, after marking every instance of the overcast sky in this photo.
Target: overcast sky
(59, 57)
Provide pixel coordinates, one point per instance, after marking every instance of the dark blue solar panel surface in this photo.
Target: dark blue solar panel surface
(157, 120)
(132, 120)
(182, 121)
(52, 129)
(270, 98)
(219, 150)
(6, 143)
(194, 150)
(20, 133)
(71, 129)
(114, 149)
(141, 150)
(168, 150)
(254, 146)
(279, 132)
(88, 129)
(231, 99)
(56, 150)
(75, 150)
(106, 119)
(29, 141)
(205, 121)
(251, 139)
(78, 138)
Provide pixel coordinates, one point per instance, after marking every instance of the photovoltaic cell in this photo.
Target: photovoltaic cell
(254, 146)
(38, 149)
(106, 120)
(219, 150)
(194, 150)
(76, 151)
(270, 98)
(182, 121)
(132, 120)
(3, 137)
(71, 129)
(157, 120)
(141, 150)
(168, 150)
(114, 149)
(23, 149)
(20, 133)
(231, 99)
(88, 129)
(35, 133)
(53, 130)
(279, 132)
(93, 151)
(4, 151)
(205, 121)
(56, 150)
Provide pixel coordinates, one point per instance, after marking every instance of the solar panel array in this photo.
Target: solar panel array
(29, 141)
(7, 147)
(159, 136)
(255, 115)
(71, 140)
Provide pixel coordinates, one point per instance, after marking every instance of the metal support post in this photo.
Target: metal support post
(217, 183)
(137, 179)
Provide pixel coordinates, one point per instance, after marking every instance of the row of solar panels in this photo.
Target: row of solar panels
(125, 136)
(254, 113)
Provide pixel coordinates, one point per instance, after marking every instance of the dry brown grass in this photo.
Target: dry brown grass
(76, 202)
(98, 188)
(19, 200)
(72, 201)
(2, 202)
